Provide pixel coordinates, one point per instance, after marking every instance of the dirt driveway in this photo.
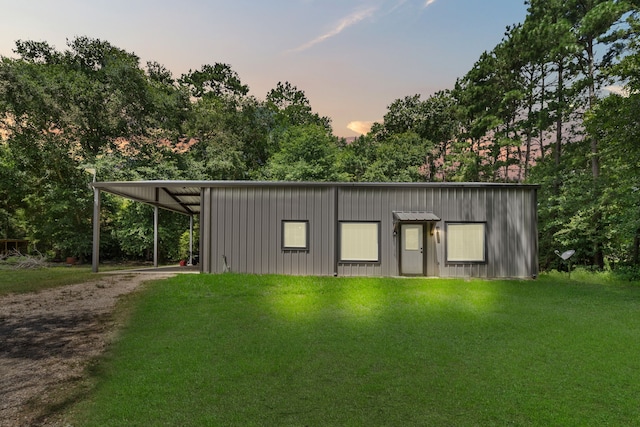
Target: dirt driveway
(47, 340)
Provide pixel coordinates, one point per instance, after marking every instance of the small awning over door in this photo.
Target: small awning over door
(400, 216)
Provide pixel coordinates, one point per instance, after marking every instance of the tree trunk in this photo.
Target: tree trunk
(559, 113)
(598, 252)
(527, 153)
(543, 98)
(595, 160)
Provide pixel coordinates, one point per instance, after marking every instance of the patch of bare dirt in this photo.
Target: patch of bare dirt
(47, 340)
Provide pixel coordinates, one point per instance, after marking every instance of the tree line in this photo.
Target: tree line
(534, 109)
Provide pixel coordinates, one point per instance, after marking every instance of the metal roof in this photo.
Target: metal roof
(177, 196)
(184, 196)
(415, 216)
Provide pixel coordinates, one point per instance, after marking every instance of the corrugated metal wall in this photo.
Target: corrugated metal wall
(244, 225)
(509, 213)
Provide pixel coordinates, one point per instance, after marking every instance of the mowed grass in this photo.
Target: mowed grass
(22, 281)
(306, 351)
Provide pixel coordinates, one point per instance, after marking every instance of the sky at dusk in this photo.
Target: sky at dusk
(352, 58)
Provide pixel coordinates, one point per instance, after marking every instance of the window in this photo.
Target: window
(412, 237)
(295, 235)
(360, 241)
(466, 242)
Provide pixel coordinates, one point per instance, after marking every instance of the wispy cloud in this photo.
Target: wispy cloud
(398, 4)
(353, 19)
(401, 3)
(344, 23)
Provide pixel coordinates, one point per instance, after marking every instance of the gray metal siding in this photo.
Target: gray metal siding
(509, 214)
(245, 227)
(244, 224)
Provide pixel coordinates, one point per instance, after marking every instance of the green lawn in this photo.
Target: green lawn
(14, 280)
(19, 281)
(205, 350)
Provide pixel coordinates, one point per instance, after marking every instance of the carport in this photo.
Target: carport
(177, 196)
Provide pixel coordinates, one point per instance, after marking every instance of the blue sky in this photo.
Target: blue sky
(352, 58)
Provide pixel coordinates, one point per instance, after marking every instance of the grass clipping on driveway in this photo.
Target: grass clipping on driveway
(272, 350)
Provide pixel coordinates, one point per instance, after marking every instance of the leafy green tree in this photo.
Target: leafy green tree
(255, 124)
(230, 130)
(133, 230)
(64, 110)
(403, 115)
(440, 126)
(307, 153)
(433, 121)
(479, 100)
(614, 123)
(217, 150)
(171, 103)
(399, 158)
(58, 205)
(11, 190)
(291, 107)
(218, 80)
(593, 22)
(357, 156)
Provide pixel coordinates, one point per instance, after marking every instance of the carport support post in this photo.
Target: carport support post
(96, 230)
(190, 239)
(155, 237)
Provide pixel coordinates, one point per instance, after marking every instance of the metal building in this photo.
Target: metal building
(352, 229)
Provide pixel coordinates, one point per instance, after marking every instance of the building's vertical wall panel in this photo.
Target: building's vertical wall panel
(205, 231)
(244, 225)
(227, 234)
(271, 207)
(511, 238)
(232, 236)
(308, 209)
(433, 241)
(390, 250)
(286, 213)
(262, 216)
(243, 250)
(494, 233)
(254, 228)
(515, 264)
(492, 245)
(532, 213)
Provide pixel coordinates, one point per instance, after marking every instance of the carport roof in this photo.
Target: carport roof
(177, 196)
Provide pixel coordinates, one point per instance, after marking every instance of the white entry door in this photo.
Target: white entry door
(411, 256)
